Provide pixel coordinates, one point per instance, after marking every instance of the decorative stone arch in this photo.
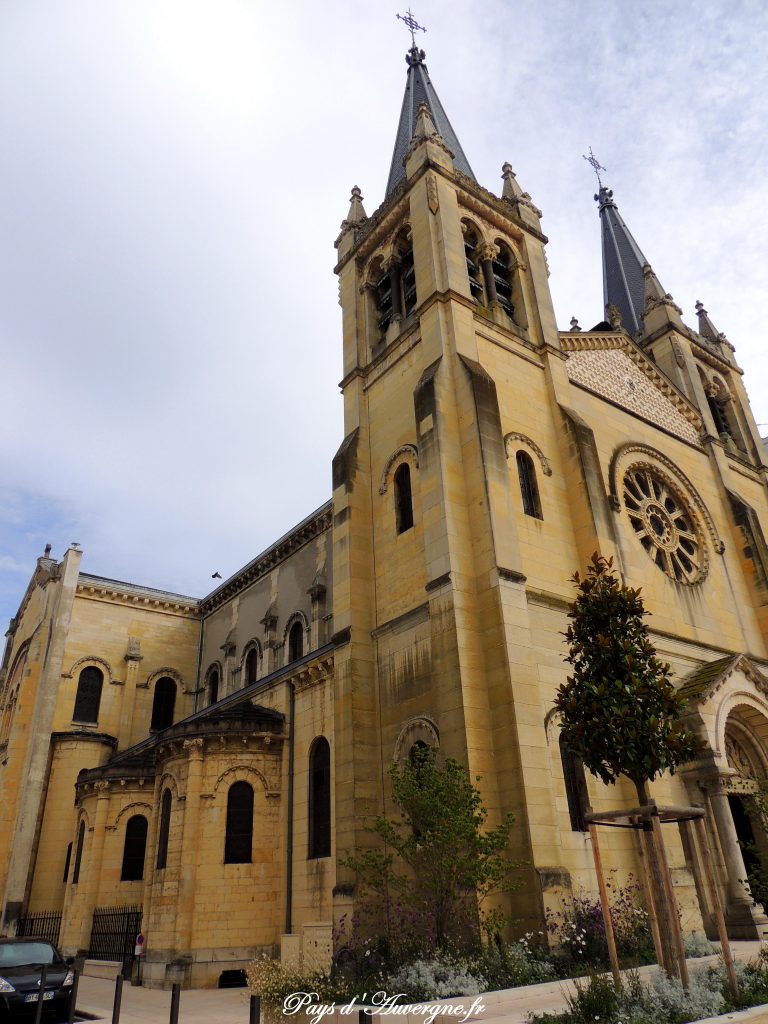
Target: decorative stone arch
(82, 815)
(242, 773)
(294, 617)
(252, 645)
(169, 781)
(384, 254)
(631, 453)
(14, 673)
(743, 712)
(408, 452)
(420, 729)
(96, 662)
(513, 439)
(746, 743)
(171, 673)
(468, 222)
(137, 807)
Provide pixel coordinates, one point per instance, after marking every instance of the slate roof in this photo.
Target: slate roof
(699, 681)
(419, 89)
(623, 284)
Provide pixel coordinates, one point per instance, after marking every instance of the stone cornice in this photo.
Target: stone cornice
(306, 531)
(113, 592)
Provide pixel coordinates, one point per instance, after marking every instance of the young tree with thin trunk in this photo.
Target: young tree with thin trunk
(620, 713)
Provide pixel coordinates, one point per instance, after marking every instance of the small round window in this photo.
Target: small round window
(664, 524)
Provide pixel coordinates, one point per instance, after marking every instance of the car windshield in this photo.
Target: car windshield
(17, 954)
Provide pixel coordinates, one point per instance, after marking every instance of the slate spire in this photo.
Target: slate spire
(623, 262)
(418, 90)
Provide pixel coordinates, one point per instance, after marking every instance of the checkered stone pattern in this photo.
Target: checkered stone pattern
(613, 375)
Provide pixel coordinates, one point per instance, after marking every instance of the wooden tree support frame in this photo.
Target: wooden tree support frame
(662, 909)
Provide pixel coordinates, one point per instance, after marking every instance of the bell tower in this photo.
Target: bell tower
(446, 310)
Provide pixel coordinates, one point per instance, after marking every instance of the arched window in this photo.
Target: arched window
(296, 642)
(320, 799)
(251, 666)
(575, 787)
(403, 498)
(134, 849)
(165, 830)
(78, 853)
(239, 840)
(213, 686)
(528, 486)
(88, 695)
(67, 859)
(163, 703)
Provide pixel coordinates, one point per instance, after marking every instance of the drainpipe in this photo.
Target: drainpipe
(289, 841)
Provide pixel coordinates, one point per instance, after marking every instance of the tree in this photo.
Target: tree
(619, 711)
(438, 861)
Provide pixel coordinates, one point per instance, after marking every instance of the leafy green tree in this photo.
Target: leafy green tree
(438, 862)
(619, 711)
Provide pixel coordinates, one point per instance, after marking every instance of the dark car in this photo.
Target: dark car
(21, 965)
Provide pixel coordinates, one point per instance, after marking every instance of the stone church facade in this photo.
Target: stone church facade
(211, 762)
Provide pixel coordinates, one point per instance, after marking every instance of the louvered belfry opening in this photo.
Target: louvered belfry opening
(474, 270)
(503, 276)
(383, 294)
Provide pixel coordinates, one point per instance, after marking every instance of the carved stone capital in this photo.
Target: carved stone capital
(486, 251)
(194, 747)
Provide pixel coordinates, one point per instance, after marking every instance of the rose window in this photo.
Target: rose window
(663, 524)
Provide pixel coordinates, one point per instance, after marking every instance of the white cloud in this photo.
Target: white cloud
(172, 178)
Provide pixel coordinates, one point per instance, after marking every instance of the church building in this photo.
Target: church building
(197, 770)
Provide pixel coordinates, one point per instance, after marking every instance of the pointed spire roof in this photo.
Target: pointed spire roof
(418, 90)
(623, 262)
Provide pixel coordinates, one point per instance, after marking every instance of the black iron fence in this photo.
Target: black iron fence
(44, 925)
(113, 933)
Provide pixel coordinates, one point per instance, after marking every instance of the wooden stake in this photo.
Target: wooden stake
(610, 938)
(674, 920)
(714, 894)
(653, 919)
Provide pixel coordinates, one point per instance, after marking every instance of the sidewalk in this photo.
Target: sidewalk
(230, 1006)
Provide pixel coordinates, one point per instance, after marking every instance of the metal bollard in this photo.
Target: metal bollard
(73, 997)
(254, 1016)
(175, 999)
(41, 996)
(118, 999)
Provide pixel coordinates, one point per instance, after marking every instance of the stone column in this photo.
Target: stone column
(392, 267)
(92, 867)
(486, 252)
(190, 837)
(745, 918)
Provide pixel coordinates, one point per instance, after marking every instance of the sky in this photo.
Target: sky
(173, 176)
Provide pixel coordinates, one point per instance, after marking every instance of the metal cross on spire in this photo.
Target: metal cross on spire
(412, 24)
(596, 165)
